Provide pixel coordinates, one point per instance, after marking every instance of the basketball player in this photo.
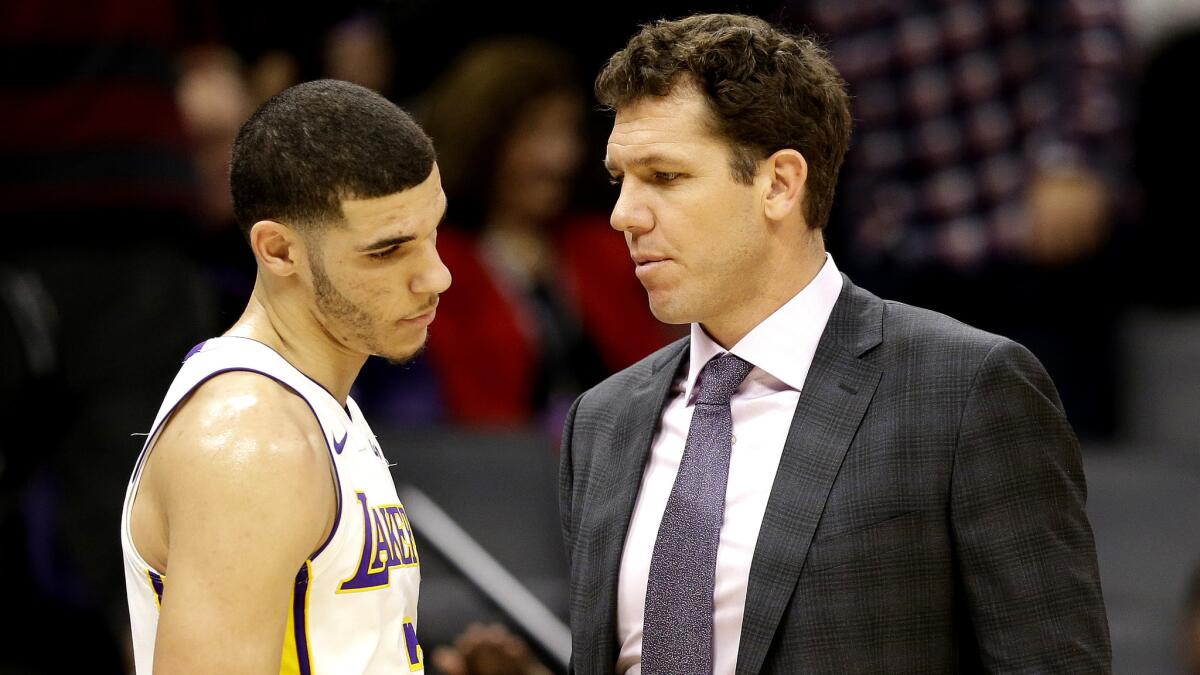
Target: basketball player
(261, 529)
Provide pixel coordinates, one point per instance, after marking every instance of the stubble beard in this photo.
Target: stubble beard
(359, 324)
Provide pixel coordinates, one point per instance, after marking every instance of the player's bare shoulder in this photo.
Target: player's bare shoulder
(239, 442)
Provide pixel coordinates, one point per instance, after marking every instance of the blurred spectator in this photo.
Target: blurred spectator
(354, 48)
(280, 43)
(271, 73)
(487, 650)
(988, 169)
(544, 301)
(99, 195)
(345, 42)
(214, 101)
(359, 50)
(1152, 22)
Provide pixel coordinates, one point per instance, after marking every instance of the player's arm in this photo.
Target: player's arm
(246, 496)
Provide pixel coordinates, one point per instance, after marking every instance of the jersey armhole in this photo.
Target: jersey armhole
(152, 440)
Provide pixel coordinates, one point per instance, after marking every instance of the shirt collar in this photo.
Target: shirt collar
(783, 344)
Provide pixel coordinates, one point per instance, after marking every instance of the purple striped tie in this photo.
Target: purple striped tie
(678, 631)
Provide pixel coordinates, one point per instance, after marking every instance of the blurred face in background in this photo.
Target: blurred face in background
(214, 101)
(539, 158)
(360, 51)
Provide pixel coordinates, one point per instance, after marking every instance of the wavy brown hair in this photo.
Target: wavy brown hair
(767, 90)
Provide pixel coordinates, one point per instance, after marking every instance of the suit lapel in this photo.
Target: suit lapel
(835, 397)
(617, 493)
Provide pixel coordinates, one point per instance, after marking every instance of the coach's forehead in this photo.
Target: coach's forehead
(674, 125)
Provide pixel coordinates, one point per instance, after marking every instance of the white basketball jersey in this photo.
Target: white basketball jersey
(354, 607)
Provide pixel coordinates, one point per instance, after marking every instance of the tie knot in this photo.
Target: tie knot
(720, 377)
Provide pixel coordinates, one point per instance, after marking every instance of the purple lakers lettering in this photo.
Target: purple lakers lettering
(387, 543)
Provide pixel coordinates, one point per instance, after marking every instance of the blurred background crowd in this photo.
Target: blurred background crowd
(1022, 165)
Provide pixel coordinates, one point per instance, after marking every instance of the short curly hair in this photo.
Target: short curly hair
(317, 143)
(767, 89)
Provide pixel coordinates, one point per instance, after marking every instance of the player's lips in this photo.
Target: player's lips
(423, 319)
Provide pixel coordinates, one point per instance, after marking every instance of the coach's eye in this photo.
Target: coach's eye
(379, 255)
(665, 176)
(615, 180)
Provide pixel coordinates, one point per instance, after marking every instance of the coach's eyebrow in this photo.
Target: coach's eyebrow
(644, 160)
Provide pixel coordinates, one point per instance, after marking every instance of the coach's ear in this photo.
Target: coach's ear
(276, 246)
(785, 174)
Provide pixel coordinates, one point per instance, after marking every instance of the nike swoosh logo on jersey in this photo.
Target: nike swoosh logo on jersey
(339, 445)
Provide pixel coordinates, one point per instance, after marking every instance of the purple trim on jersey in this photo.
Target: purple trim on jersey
(193, 350)
(340, 405)
(298, 598)
(156, 581)
(337, 517)
(337, 481)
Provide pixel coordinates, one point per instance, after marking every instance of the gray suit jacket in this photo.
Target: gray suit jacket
(927, 515)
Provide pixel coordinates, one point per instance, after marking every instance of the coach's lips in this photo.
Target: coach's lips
(648, 262)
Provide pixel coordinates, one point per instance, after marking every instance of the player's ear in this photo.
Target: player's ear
(277, 247)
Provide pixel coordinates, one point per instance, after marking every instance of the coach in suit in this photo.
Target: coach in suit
(816, 480)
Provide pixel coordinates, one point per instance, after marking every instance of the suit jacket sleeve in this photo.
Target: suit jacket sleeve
(566, 482)
(566, 497)
(1024, 548)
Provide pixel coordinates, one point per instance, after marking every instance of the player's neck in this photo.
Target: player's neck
(301, 340)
